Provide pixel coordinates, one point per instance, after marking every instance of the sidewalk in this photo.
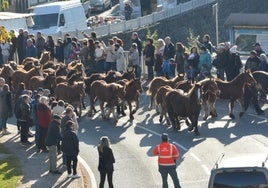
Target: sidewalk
(35, 166)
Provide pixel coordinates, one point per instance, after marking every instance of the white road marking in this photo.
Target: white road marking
(195, 157)
(93, 182)
(206, 169)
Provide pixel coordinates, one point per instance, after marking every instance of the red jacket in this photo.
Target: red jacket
(43, 115)
(167, 153)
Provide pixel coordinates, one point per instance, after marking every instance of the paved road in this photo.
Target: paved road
(132, 144)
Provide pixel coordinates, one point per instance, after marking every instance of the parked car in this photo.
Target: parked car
(100, 5)
(248, 171)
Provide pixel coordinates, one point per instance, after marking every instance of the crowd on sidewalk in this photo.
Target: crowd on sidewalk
(55, 122)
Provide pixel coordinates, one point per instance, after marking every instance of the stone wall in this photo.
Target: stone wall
(200, 21)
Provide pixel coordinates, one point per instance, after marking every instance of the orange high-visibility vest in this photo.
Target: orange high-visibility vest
(167, 153)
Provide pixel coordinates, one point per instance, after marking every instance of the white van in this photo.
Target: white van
(58, 18)
(14, 21)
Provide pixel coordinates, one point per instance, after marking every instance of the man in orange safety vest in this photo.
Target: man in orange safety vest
(167, 154)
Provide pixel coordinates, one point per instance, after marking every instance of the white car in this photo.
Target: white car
(247, 171)
(100, 5)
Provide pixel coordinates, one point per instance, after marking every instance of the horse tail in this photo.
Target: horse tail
(149, 91)
(169, 107)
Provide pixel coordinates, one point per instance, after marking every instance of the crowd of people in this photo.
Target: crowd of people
(55, 123)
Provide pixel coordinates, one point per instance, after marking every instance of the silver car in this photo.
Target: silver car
(247, 171)
(100, 5)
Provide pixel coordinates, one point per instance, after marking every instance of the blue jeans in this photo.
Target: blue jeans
(100, 66)
(171, 170)
(150, 72)
(3, 123)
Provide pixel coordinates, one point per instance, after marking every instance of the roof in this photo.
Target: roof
(12, 15)
(244, 160)
(238, 19)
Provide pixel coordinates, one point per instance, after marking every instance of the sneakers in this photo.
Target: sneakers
(76, 176)
(69, 175)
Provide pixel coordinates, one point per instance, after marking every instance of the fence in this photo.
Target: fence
(143, 21)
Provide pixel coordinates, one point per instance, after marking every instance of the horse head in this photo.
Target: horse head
(210, 85)
(7, 70)
(248, 78)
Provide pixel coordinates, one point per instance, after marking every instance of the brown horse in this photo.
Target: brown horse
(261, 78)
(104, 92)
(46, 83)
(157, 82)
(184, 105)
(234, 91)
(25, 76)
(209, 93)
(133, 89)
(71, 94)
(7, 72)
(161, 101)
(45, 57)
(108, 78)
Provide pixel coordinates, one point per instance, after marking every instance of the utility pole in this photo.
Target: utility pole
(215, 12)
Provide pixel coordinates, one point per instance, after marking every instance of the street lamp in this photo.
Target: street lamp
(215, 12)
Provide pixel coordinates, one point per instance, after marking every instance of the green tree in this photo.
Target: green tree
(152, 35)
(4, 4)
(191, 40)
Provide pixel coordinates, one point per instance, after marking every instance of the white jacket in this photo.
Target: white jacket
(120, 60)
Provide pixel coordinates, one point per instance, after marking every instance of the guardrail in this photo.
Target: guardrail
(143, 21)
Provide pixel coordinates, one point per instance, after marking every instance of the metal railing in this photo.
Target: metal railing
(133, 24)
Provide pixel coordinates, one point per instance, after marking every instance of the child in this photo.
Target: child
(172, 67)
(204, 73)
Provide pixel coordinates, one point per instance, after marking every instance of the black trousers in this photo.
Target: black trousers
(24, 131)
(103, 174)
(70, 159)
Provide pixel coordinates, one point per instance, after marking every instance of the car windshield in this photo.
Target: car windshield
(253, 179)
(44, 21)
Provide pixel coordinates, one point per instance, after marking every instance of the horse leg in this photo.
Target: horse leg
(213, 111)
(114, 114)
(231, 109)
(83, 103)
(195, 124)
(102, 109)
(151, 102)
(131, 117)
(157, 109)
(205, 111)
(164, 112)
(161, 114)
(137, 104)
(242, 105)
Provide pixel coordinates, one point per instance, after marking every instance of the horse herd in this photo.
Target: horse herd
(178, 98)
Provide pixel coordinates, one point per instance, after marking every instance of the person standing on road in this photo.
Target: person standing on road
(106, 160)
(43, 120)
(5, 108)
(70, 147)
(52, 140)
(167, 154)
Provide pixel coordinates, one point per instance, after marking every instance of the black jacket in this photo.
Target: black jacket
(53, 134)
(106, 159)
(70, 143)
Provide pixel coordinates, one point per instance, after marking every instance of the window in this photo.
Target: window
(44, 21)
(235, 179)
(62, 20)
